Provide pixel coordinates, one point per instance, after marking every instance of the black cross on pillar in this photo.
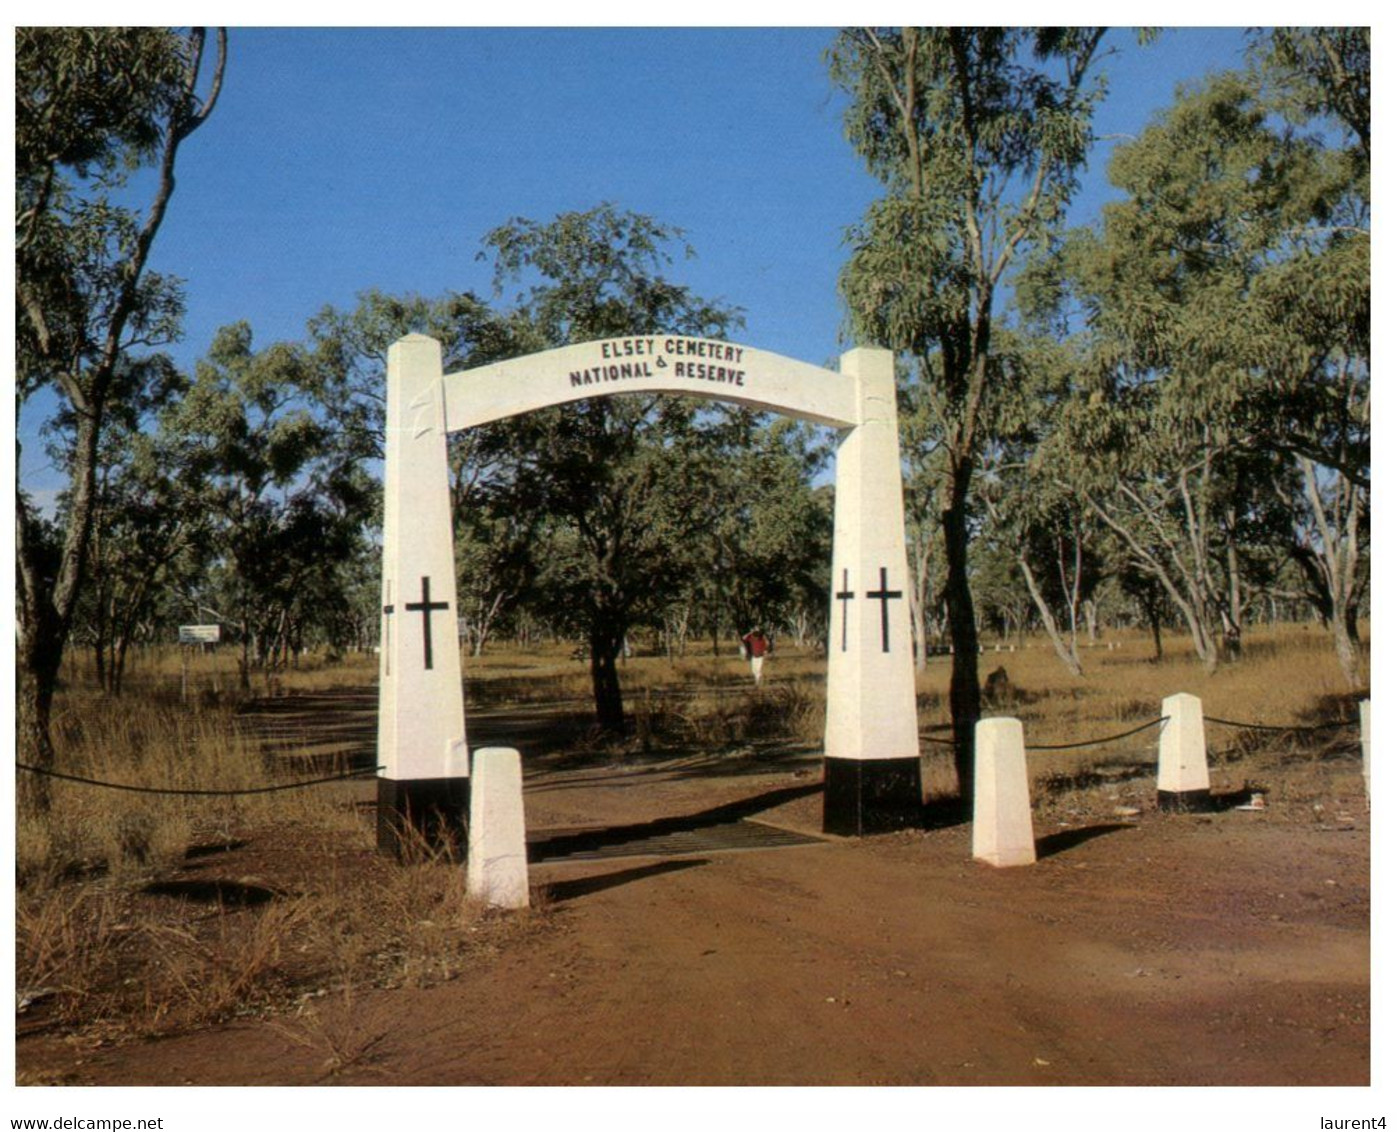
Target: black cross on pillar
(884, 595)
(844, 595)
(425, 606)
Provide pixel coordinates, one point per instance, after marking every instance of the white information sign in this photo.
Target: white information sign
(198, 634)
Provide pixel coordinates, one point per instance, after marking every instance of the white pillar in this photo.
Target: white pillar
(1183, 755)
(1365, 721)
(497, 869)
(1003, 820)
(421, 715)
(872, 756)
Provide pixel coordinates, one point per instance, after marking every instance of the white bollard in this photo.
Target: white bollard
(497, 869)
(1365, 720)
(1183, 755)
(1003, 823)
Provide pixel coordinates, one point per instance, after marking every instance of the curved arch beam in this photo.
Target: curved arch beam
(653, 363)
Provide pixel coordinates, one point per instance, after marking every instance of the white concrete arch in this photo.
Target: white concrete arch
(654, 363)
(872, 758)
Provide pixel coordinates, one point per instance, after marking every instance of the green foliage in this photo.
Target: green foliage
(979, 149)
(91, 105)
(92, 99)
(1322, 72)
(598, 274)
(759, 555)
(1227, 300)
(285, 489)
(614, 482)
(349, 348)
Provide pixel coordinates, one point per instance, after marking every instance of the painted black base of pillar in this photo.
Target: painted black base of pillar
(423, 816)
(872, 795)
(1185, 801)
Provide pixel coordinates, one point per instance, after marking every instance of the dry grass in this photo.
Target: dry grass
(337, 1029)
(118, 960)
(144, 914)
(1288, 676)
(129, 921)
(144, 744)
(698, 702)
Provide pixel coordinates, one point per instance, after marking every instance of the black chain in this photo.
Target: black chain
(194, 793)
(1095, 742)
(1066, 746)
(1272, 727)
(1155, 723)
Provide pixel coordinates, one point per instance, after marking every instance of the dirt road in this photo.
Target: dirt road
(1228, 949)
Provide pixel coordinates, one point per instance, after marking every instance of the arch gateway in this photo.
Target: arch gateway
(872, 776)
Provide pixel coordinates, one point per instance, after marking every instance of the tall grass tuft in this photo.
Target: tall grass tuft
(134, 743)
(122, 930)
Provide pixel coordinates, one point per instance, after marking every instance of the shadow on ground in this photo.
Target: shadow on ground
(665, 836)
(1054, 843)
(564, 890)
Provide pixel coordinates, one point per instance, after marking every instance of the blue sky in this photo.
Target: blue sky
(340, 160)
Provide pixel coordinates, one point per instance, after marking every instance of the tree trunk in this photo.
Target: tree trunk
(245, 656)
(1066, 652)
(960, 618)
(1232, 611)
(1187, 591)
(918, 630)
(1149, 603)
(99, 659)
(606, 694)
(1346, 649)
(36, 681)
(1333, 572)
(46, 603)
(605, 643)
(46, 598)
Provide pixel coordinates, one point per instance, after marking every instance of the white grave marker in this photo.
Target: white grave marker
(1183, 755)
(497, 869)
(1003, 821)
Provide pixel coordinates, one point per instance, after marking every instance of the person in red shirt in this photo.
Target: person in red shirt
(755, 646)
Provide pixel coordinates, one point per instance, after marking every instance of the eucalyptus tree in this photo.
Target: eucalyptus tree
(349, 349)
(1228, 300)
(1038, 524)
(496, 565)
(1321, 73)
(763, 557)
(138, 523)
(1044, 532)
(923, 474)
(615, 480)
(1316, 298)
(287, 490)
(150, 537)
(978, 135)
(91, 106)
